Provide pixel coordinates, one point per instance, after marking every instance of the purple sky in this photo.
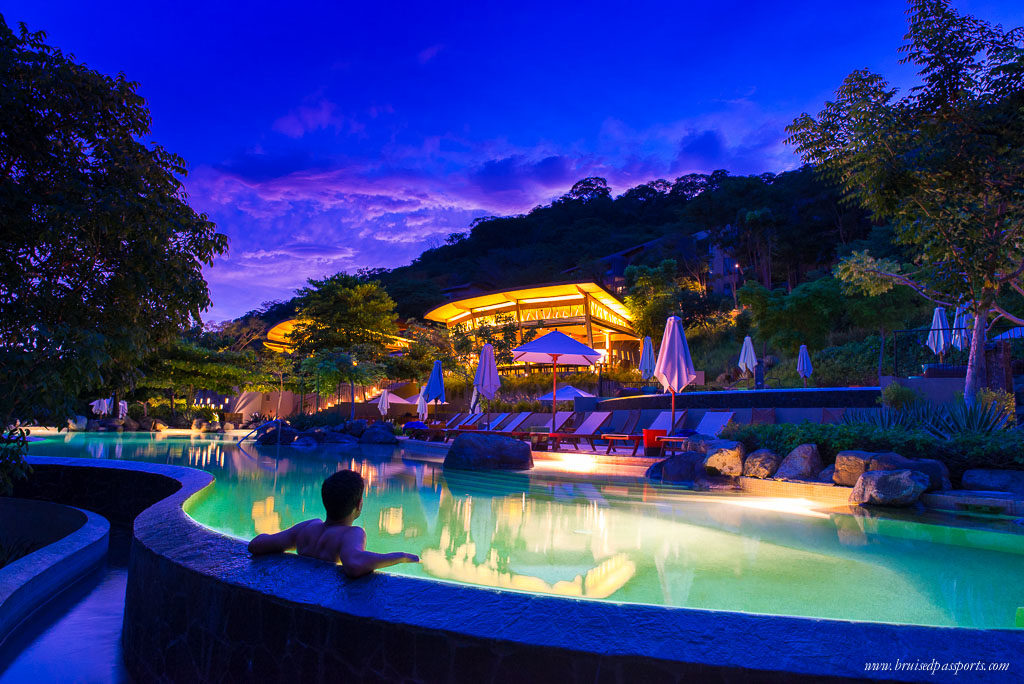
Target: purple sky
(322, 137)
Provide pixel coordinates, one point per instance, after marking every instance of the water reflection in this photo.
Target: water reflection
(564, 533)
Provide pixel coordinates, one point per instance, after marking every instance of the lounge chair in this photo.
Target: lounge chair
(713, 422)
(466, 422)
(561, 418)
(626, 435)
(588, 430)
(663, 421)
(435, 430)
(491, 421)
(509, 426)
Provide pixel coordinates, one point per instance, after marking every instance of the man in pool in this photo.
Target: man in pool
(336, 538)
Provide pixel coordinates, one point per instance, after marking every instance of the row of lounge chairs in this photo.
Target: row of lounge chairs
(591, 429)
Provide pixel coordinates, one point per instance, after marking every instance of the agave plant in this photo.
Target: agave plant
(911, 416)
(959, 417)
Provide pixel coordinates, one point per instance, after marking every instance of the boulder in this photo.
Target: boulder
(356, 428)
(113, 424)
(213, 426)
(378, 433)
(654, 471)
(92, 425)
(130, 425)
(992, 480)
(158, 425)
(682, 467)
(850, 465)
(723, 457)
(77, 424)
(827, 474)
(715, 483)
(305, 442)
(802, 463)
(889, 487)
(317, 435)
(762, 463)
(198, 424)
(471, 451)
(270, 437)
(229, 426)
(332, 437)
(936, 471)
(180, 422)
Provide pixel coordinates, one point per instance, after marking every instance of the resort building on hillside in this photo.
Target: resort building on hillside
(585, 311)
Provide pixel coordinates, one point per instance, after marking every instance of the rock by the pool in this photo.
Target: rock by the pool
(850, 465)
(802, 463)
(826, 474)
(228, 427)
(723, 457)
(332, 437)
(936, 471)
(471, 451)
(270, 437)
(993, 480)
(356, 428)
(715, 483)
(213, 426)
(198, 424)
(761, 463)
(158, 425)
(889, 487)
(130, 425)
(378, 434)
(77, 424)
(682, 467)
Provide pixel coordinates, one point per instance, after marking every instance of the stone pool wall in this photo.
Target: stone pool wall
(199, 608)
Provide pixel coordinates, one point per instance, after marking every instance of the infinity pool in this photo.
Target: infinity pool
(582, 531)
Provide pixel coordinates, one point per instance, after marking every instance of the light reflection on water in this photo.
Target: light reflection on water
(581, 534)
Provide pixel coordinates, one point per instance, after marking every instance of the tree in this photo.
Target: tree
(102, 255)
(944, 164)
(657, 292)
(278, 368)
(343, 312)
(337, 366)
(183, 368)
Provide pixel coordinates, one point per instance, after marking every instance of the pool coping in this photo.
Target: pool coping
(730, 644)
(32, 581)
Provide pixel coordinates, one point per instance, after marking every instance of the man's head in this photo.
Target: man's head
(342, 493)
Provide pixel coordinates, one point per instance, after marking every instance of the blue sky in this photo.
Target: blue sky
(323, 137)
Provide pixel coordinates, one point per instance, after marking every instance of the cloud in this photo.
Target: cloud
(429, 53)
(320, 115)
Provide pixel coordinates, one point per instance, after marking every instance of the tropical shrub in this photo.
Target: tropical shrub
(897, 396)
(13, 447)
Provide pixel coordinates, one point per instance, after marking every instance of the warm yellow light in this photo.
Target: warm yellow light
(542, 300)
(492, 307)
(459, 317)
(576, 463)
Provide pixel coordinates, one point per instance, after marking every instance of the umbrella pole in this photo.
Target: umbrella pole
(673, 424)
(554, 388)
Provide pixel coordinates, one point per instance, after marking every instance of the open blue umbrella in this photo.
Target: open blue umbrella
(555, 348)
(647, 359)
(674, 368)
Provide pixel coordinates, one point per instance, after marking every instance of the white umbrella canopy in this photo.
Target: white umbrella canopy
(647, 359)
(803, 364)
(674, 369)
(555, 348)
(474, 400)
(748, 359)
(962, 324)
(939, 337)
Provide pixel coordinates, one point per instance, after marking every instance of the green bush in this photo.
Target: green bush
(897, 396)
(1006, 402)
(1004, 449)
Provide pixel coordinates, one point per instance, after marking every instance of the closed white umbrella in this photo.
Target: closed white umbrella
(939, 335)
(555, 348)
(421, 407)
(962, 324)
(803, 364)
(487, 382)
(474, 400)
(674, 369)
(647, 359)
(748, 359)
(384, 403)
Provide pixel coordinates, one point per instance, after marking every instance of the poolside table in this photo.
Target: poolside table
(671, 443)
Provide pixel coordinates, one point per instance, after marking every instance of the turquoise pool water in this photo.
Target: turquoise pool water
(606, 536)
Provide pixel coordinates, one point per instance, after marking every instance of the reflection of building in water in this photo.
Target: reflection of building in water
(508, 541)
(265, 518)
(202, 456)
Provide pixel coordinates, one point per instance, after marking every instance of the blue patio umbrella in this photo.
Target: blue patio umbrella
(647, 359)
(434, 391)
(567, 392)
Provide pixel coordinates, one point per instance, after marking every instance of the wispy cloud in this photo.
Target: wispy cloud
(429, 53)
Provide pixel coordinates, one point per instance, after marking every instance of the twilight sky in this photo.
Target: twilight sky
(328, 136)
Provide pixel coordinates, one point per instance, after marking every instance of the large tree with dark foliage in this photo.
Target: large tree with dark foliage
(101, 259)
(944, 164)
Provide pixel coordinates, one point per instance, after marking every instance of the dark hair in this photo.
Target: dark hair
(341, 493)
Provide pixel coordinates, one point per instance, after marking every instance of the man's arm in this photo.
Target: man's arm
(356, 561)
(276, 543)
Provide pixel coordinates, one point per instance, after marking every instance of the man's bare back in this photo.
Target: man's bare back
(326, 541)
